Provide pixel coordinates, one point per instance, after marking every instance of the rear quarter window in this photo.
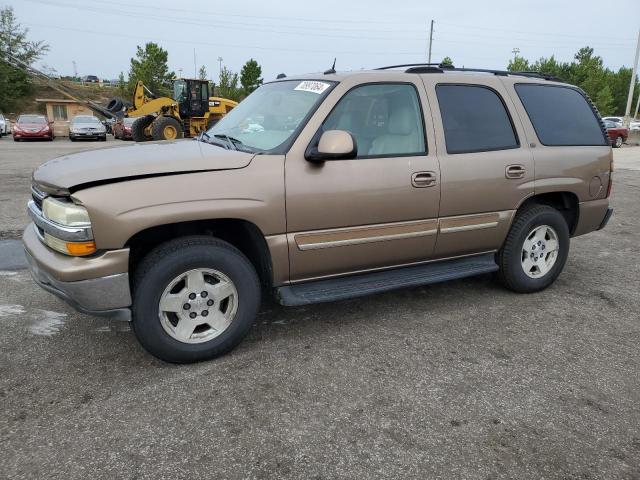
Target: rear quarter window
(561, 116)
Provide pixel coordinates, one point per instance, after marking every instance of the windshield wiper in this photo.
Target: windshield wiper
(230, 140)
(206, 138)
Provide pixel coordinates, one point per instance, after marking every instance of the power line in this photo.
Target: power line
(246, 27)
(195, 42)
(547, 34)
(146, 7)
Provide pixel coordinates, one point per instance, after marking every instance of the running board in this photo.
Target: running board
(383, 281)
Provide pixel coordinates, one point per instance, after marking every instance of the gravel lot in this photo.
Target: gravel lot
(457, 380)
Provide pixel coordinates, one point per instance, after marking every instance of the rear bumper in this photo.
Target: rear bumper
(591, 216)
(107, 294)
(606, 218)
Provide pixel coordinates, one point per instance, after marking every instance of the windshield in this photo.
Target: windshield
(609, 124)
(85, 120)
(269, 116)
(31, 119)
(128, 120)
(179, 91)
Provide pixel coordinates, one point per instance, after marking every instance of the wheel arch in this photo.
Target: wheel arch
(565, 202)
(242, 234)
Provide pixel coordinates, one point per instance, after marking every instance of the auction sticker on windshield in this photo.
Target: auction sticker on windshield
(311, 86)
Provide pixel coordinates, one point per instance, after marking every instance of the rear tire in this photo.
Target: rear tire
(138, 127)
(166, 128)
(158, 330)
(618, 143)
(535, 251)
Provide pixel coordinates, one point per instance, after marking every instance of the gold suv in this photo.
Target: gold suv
(319, 188)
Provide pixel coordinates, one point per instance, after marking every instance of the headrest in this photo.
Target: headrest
(402, 121)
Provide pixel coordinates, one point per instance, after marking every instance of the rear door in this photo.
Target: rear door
(487, 169)
(375, 211)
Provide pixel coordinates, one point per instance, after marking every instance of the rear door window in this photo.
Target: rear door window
(475, 119)
(561, 116)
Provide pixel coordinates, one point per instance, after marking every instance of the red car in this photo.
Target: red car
(122, 128)
(32, 126)
(617, 134)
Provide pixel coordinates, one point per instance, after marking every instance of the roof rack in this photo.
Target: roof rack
(409, 65)
(442, 67)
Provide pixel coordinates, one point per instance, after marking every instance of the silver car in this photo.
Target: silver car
(87, 127)
(4, 126)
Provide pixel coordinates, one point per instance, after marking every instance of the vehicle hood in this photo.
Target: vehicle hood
(86, 125)
(109, 165)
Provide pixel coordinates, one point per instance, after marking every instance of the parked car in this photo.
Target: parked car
(617, 133)
(381, 179)
(32, 126)
(634, 125)
(87, 127)
(617, 120)
(90, 79)
(4, 126)
(122, 128)
(108, 124)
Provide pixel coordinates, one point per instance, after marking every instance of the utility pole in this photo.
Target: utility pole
(633, 82)
(220, 61)
(430, 41)
(515, 52)
(637, 108)
(195, 65)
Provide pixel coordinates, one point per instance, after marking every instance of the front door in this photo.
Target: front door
(377, 210)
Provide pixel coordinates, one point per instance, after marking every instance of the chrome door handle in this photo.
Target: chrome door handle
(423, 179)
(515, 171)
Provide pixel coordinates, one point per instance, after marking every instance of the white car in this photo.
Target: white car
(4, 125)
(87, 127)
(617, 120)
(634, 125)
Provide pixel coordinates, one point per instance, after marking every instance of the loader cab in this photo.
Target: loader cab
(192, 96)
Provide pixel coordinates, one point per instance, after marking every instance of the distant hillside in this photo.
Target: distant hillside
(93, 92)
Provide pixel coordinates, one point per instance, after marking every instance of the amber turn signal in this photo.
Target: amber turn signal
(81, 248)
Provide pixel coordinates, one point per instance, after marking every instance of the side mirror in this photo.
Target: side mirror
(333, 145)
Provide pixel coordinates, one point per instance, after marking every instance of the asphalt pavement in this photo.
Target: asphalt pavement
(457, 380)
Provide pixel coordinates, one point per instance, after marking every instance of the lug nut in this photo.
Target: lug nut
(205, 313)
(204, 294)
(193, 315)
(192, 296)
(186, 306)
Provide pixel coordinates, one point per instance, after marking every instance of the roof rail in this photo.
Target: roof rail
(409, 65)
(442, 67)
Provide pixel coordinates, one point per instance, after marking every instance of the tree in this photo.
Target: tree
(14, 81)
(202, 73)
(150, 66)
(228, 86)
(447, 61)
(122, 86)
(250, 76)
(518, 64)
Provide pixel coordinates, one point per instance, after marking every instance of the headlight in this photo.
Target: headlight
(65, 213)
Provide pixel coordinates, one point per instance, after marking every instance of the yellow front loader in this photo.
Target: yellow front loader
(190, 111)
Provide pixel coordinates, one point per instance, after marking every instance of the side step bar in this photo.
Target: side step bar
(383, 281)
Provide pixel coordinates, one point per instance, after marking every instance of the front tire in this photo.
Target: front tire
(535, 250)
(195, 298)
(138, 127)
